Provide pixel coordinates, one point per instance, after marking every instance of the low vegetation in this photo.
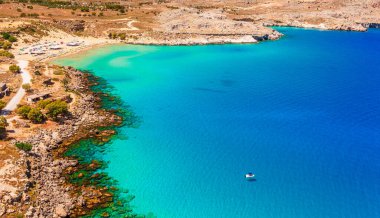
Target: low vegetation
(44, 109)
(23, 111)
(5, 45)
(2, 104)
(121, 36)
(3, 125)
(14, 68)
(5, 53)
(24, 146)
(36, 116)
(27, 87)
(58, 72)
(35, 15)
(9, 37)
(56, 109)
(42, 104)
(114, 6)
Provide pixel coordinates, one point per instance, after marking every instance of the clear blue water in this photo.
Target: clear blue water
(302, 113)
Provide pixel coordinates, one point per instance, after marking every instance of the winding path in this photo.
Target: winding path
(26, 78)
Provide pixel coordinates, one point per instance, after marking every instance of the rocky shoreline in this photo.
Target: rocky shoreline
(47, 192)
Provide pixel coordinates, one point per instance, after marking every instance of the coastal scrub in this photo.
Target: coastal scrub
(24, 146)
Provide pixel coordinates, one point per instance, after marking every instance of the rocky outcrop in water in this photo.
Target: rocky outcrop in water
(372, 25)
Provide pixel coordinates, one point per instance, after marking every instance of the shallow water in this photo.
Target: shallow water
(302, 113)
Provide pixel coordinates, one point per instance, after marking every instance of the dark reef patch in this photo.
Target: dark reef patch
(102, 198)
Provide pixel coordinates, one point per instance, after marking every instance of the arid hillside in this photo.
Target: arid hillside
(183, 21)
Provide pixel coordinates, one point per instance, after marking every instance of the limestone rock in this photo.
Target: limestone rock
(60, 211)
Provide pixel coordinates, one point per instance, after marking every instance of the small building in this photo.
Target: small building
(4, 90)
(37, 97)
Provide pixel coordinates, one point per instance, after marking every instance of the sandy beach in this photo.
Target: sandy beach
(58, 40)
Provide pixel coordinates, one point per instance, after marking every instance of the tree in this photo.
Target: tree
(56, 109)
(42, 104)
(14, 68)
(27, 87)
(23, 111)
(2, 104)
(36, 116)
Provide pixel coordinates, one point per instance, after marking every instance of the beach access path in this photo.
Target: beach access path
(26, 78)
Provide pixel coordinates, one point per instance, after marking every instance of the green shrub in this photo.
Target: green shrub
(7, 54)
(42, 104)
(5, 35)
(33, 15)
(84, 9)
(5, 45)
(122, 36)
(23, 111)
(58, 72)
(24, 146)
(27, 87)
(3, 122)
(36, 116)
(3, 125)
(12, 39)
(56, 109)
(14, 68)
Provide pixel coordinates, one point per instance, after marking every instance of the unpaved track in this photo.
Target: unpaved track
(26, 78)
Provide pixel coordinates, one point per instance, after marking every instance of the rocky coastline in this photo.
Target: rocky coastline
(372, 25)
(48, 191)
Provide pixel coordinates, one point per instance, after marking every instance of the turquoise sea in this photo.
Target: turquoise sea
(302, 113)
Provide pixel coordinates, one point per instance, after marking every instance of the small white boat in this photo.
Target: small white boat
(250, 176)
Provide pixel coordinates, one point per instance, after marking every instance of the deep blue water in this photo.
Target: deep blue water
(302, 113)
